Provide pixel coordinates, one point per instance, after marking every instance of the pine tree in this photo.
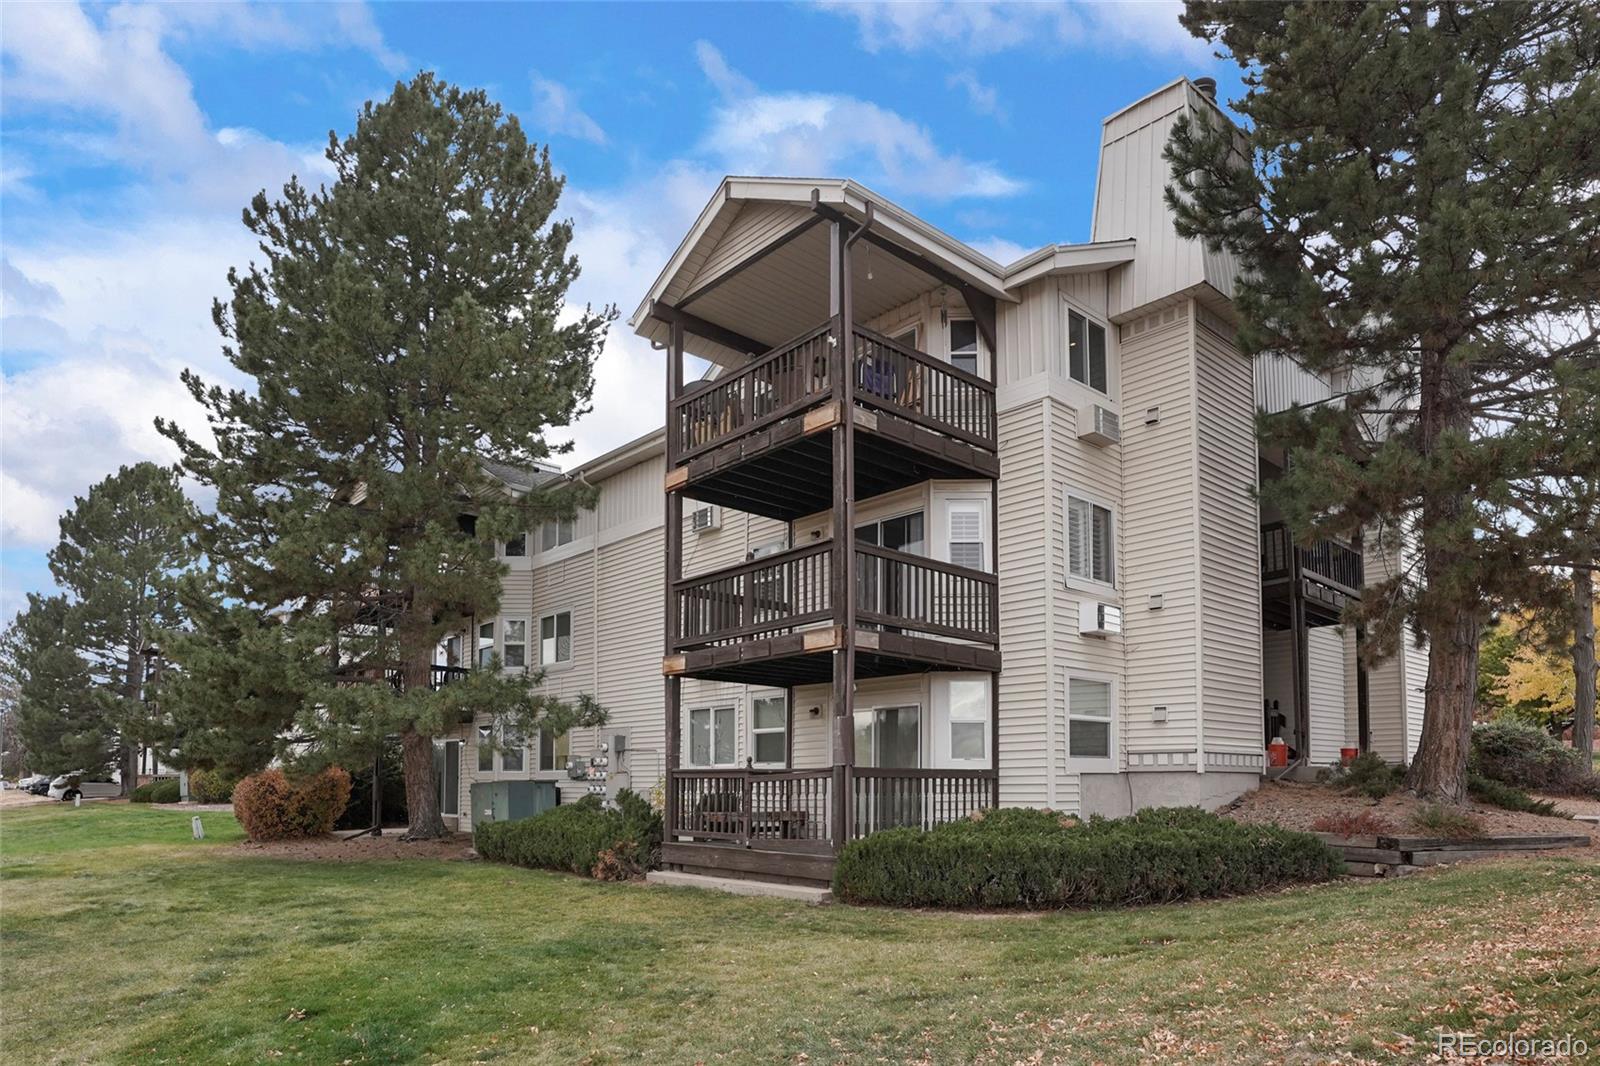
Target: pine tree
(407, 328)
(59, 718)
(1413, 206)
(122, 549)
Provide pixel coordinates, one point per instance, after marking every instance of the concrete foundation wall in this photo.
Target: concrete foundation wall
(1118, 795)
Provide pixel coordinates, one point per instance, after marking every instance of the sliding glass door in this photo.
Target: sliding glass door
(889, 738)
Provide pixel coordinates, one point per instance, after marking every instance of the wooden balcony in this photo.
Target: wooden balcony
(1325, 576)
(755, 439)
(790, 823)
(773, 620)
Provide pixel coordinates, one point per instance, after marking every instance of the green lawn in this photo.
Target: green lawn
(125, 941)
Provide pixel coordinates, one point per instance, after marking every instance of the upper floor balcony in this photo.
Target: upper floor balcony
(755, 438)
(1325, 576)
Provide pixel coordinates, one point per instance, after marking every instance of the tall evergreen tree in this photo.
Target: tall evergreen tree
(59, 717)
(1414, 207)
(122, 550)
(407, 326)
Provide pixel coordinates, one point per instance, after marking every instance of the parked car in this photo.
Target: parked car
(65, 787)
(36, 785)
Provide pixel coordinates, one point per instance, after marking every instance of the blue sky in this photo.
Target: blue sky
(131, 137)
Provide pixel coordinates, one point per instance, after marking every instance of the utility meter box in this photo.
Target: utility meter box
(506, 801)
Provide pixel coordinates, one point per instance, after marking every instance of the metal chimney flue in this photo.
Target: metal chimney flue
(1208, 86)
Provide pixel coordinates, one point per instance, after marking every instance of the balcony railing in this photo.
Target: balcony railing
(793, 590)
(1327, 561)
(794, 809)
(886, 375)
(438, 676)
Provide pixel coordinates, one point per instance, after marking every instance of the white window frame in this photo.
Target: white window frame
(980, 506)
(557, 662)
(485, 644)
(506, 643)
(781, 730)
(714, 713)
(1089, 581)
(1070, 309)
(521, 541)
(977, 344)
(550, 746)
(1078, 764)
(565, 532)
(497, 751)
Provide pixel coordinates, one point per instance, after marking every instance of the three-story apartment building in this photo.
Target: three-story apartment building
(932, 533)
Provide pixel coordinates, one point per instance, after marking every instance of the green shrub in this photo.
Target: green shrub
(1508, 797)
(211, 786)
(271, 806)
(582, 838)
(161, 790)
(1528, 758)
(1448, 822)
(1040, 859)
(1368, 775)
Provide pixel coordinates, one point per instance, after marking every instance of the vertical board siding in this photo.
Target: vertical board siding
(1158, 541)
(1029, 333)
(1386, 679)
(1230, 579)
(1325, 674)
(755, 226)
(1282, 383)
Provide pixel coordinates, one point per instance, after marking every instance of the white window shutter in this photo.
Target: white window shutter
(1076, 556)
(966, 535)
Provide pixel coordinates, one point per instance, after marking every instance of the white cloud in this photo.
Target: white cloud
(987, 28)
(1002, 251)
(729, 82)
(983, 99)
(556, 109)
(815, 134)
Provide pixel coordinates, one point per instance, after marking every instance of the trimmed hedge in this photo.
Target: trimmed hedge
(1039, 859)
(582, 838)
(161, 790)
(271, 806)
(1528, 758)
(211, 786)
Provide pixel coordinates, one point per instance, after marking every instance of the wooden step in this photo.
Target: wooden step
(719, 860)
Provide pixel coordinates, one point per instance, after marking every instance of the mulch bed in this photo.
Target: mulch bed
(389, 847)
(1296, 805)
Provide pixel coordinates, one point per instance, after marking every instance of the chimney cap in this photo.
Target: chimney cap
(1207, 86)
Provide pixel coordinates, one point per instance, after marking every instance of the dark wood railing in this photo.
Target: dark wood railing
(770, 388)
(793, 809)
(888, 376)
(791, 590)
(1327, 560)
(784, 809)
(885, 798)
(919, 388)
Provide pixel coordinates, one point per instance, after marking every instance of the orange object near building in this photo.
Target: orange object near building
(1277, 752)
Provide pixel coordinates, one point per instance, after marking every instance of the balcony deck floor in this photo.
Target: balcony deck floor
(785, 660)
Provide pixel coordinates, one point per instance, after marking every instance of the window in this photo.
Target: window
(517, 546)
(969, 719)
(516, 646)
(1088, 719)
(554, 751)
(511, 752)
(1089, 543)
(1086, 351)
(486, 748)
(906, 337)
(964, 344)
(769, 728)
(556, 532)
(485, 643)
(555, 638)
(452, 650)
(447, 772)
(711, 740)
(966, 534)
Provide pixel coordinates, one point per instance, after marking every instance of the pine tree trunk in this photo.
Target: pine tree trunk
(1583, 664)
(127, 750)
(422, 787)
(1439, 771)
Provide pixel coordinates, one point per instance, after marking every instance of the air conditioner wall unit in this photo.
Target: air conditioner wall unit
(1099, 425)
(705, 519)
(1096, 619)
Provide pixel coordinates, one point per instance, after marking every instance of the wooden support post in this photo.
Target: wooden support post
(843, 587)
(673, 520)
(994, 619)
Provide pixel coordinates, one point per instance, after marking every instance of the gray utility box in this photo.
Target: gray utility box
(506, 801)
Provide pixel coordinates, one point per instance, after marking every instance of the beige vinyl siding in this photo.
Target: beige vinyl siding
(754, 227)
(1386, 679)
(1029, 333)
(632, 498)
(1281, 383)
(1325, 674)
(1129, 203)
(1159, 544)
(628, 649)
(1416, 692)
(1024, 600)
(1230, 579)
